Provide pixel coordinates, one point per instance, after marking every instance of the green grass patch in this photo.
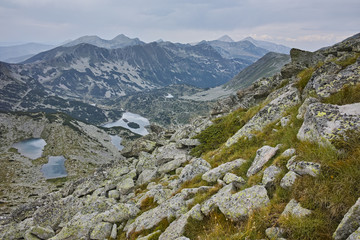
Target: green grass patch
(331, 194)
(147, 204)
(304, 77)
(215, 226)
(348, 61)
(347, 95)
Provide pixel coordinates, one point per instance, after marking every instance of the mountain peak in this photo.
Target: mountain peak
(120, 37)
(225, 38)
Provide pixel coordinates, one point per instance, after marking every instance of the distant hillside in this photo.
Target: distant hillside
(266, 66)
(19, 53)
(272, 47)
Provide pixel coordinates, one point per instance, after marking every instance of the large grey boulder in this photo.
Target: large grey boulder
(210, 204)
(146, 161)
(214, 174)
(294, 208)
(238, 206)
(270, 113)
(263, 155)
(288, 180)
(133, 148)
(119, 213)
(303, 168)
(167, 153)
(101, 231)
(42, 232)
(324, 122)
(79, 227)
(172, 165)
(195, 167)
(274, 232)
(188, 143)
(350, 223)
(303, 108)
(235, 180)
(270, 175)
(147, 176)
(288, 152)
(126, 186)
(330, 78)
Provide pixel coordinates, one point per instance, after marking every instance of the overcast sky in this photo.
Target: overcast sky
(305, 24)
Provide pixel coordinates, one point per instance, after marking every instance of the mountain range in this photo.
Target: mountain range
(73, 78)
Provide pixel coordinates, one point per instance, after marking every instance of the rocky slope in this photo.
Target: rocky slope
(283, 164)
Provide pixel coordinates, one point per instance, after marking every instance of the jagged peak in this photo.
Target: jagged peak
(225, 38)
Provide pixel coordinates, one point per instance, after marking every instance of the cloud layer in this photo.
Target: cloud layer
(304, 24)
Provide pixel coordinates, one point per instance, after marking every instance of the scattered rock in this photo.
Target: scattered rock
(303, 168)
(119, 213)
(42, 232)
(237, 206)
(270, 175)
(114, 230)
(115, 194)
(288, 180)
(150, 236)
(126, 186)
(284, 121)
(288, 152)
(263, 155)
(294, 208)
(235, 180)
(268, 114)
(303, 108)
(101, 231)
(350, 223)
(186, 143)
(274, 232)
(147, 176)
(214, 174)
(133, 148)
(324, 122)
(195, 167)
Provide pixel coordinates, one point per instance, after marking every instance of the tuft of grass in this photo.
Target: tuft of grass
(163, 224)
(304, 77)
(331, 194)
(147, 204)
(215, 226)
(347, 95)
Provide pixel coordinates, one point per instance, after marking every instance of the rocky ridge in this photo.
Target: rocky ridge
(161, 191)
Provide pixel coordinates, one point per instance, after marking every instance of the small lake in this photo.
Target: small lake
(131, 121)
(55, 168)
(116, 141)
(31, 148)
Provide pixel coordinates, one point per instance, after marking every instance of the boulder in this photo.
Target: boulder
(42, 232)
(303, 168)
(78, 227)
(209, 205)
(126, 186)
(172, 165)
(272, 112)
(147, 176)
(238, 206)
(324, 122)
(119, 213)
(263, 155)
(214, 174)
(303, 108)
(330, 78)
(146, 161)
(113, 234)
(274, 232)
(150, 236)
(101, 231)
(237, 181)
(294, 208)
(284, 121)
(167, 153)
(350, 223)
(270, 175)
(115, 194)
(133, 148)
(288, 180)
(30, 236)
(195, 167)
(187, 143)
(288, 152)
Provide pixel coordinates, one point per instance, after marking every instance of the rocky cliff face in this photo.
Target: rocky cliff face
(283, 164)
